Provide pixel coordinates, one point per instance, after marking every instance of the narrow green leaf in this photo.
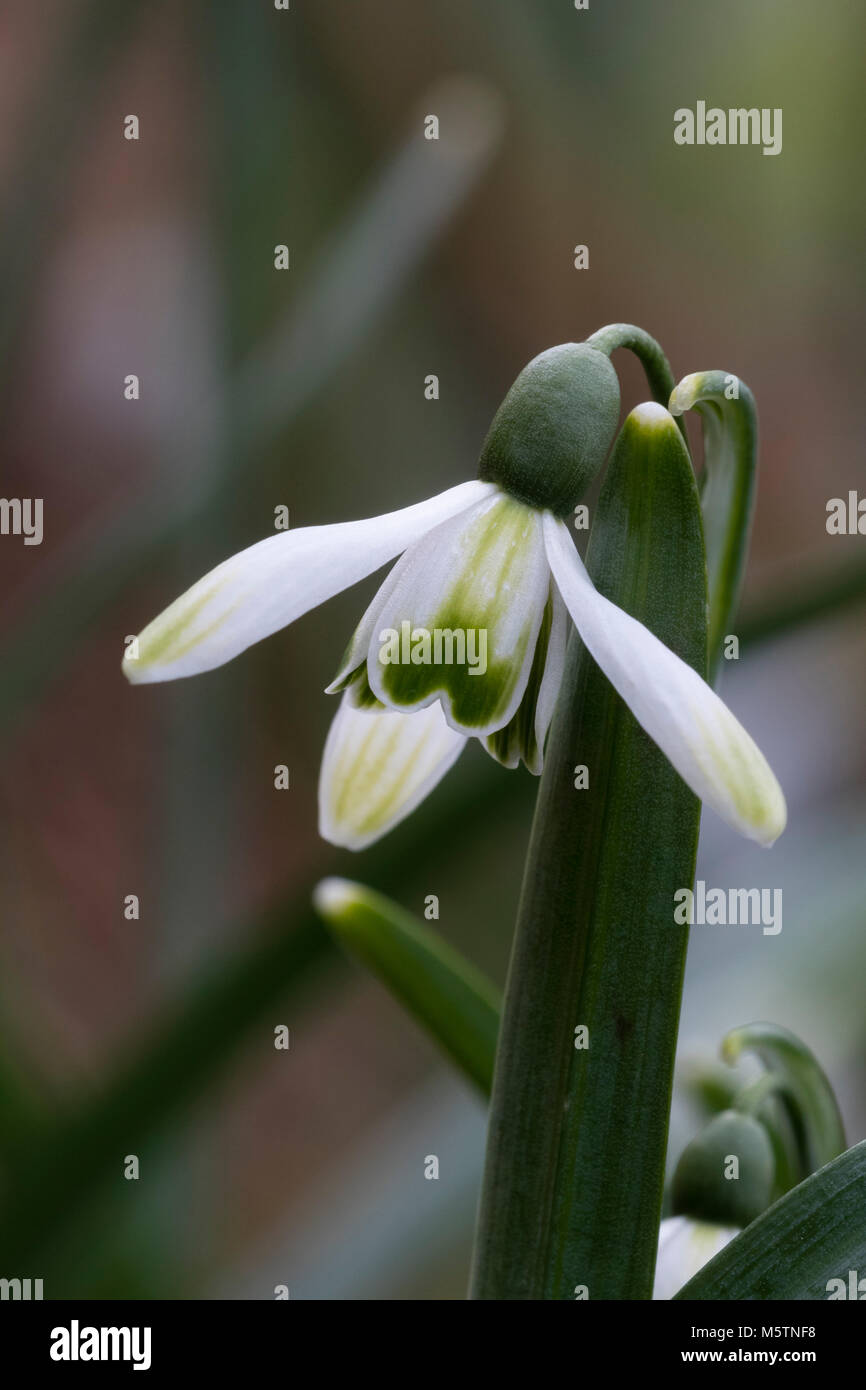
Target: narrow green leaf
(575, 1162)
(457, 1005)
(730, 433)
(814, 1234)
(806, 1095)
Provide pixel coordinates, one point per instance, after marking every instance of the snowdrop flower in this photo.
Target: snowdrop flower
(685, 1246)
(466, 636)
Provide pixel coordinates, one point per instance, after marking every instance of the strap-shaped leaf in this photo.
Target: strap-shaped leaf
(578, 1127)
(814, 1234)
(805, 1094)
(453, 1000)
(730, 431)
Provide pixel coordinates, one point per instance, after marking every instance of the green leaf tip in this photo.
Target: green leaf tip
(455, 1002)
(804, 1106)
(729, 423)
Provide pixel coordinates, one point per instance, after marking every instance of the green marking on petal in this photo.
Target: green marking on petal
(378, 765)
(346, 672)
(475, 700)
(360, 694)
(740, 767)
(472, 645)
(361, 773)
(162, 641)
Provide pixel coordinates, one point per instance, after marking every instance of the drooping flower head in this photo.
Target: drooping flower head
(466, 636)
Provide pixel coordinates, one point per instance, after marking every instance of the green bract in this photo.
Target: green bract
(552, 433)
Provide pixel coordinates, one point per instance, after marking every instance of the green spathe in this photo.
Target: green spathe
(551, 434)
(725, 1175)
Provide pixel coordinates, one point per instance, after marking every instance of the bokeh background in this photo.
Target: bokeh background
(305, 388)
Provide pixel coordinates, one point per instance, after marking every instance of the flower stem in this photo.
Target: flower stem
(578, 1127)
(646, 349)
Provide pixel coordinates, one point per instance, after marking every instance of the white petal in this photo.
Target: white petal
(270, 584)
(355, 654)
(484, 576)
(523, 738)
(378, 765)
(694, 729)
(554, 668)
(685, 1246)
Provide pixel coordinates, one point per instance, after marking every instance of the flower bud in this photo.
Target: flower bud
(709, 1186)
(551, 434)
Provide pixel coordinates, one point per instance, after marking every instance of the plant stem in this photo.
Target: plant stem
(575, 1160)
(646, 349)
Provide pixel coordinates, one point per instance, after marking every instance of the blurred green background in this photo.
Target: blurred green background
(305, 388)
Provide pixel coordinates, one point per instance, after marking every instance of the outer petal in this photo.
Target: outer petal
(378, 765)
(482, 579)
(270, 584)
(685, 1246)
(694, 729)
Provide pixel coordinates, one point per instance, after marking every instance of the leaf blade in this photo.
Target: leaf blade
(816, 1232)
(730, 431)
(456, 1004)
(573, 1184)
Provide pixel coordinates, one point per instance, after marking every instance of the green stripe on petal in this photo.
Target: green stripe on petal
(461, 623)
(270, 584)
(378, 765)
